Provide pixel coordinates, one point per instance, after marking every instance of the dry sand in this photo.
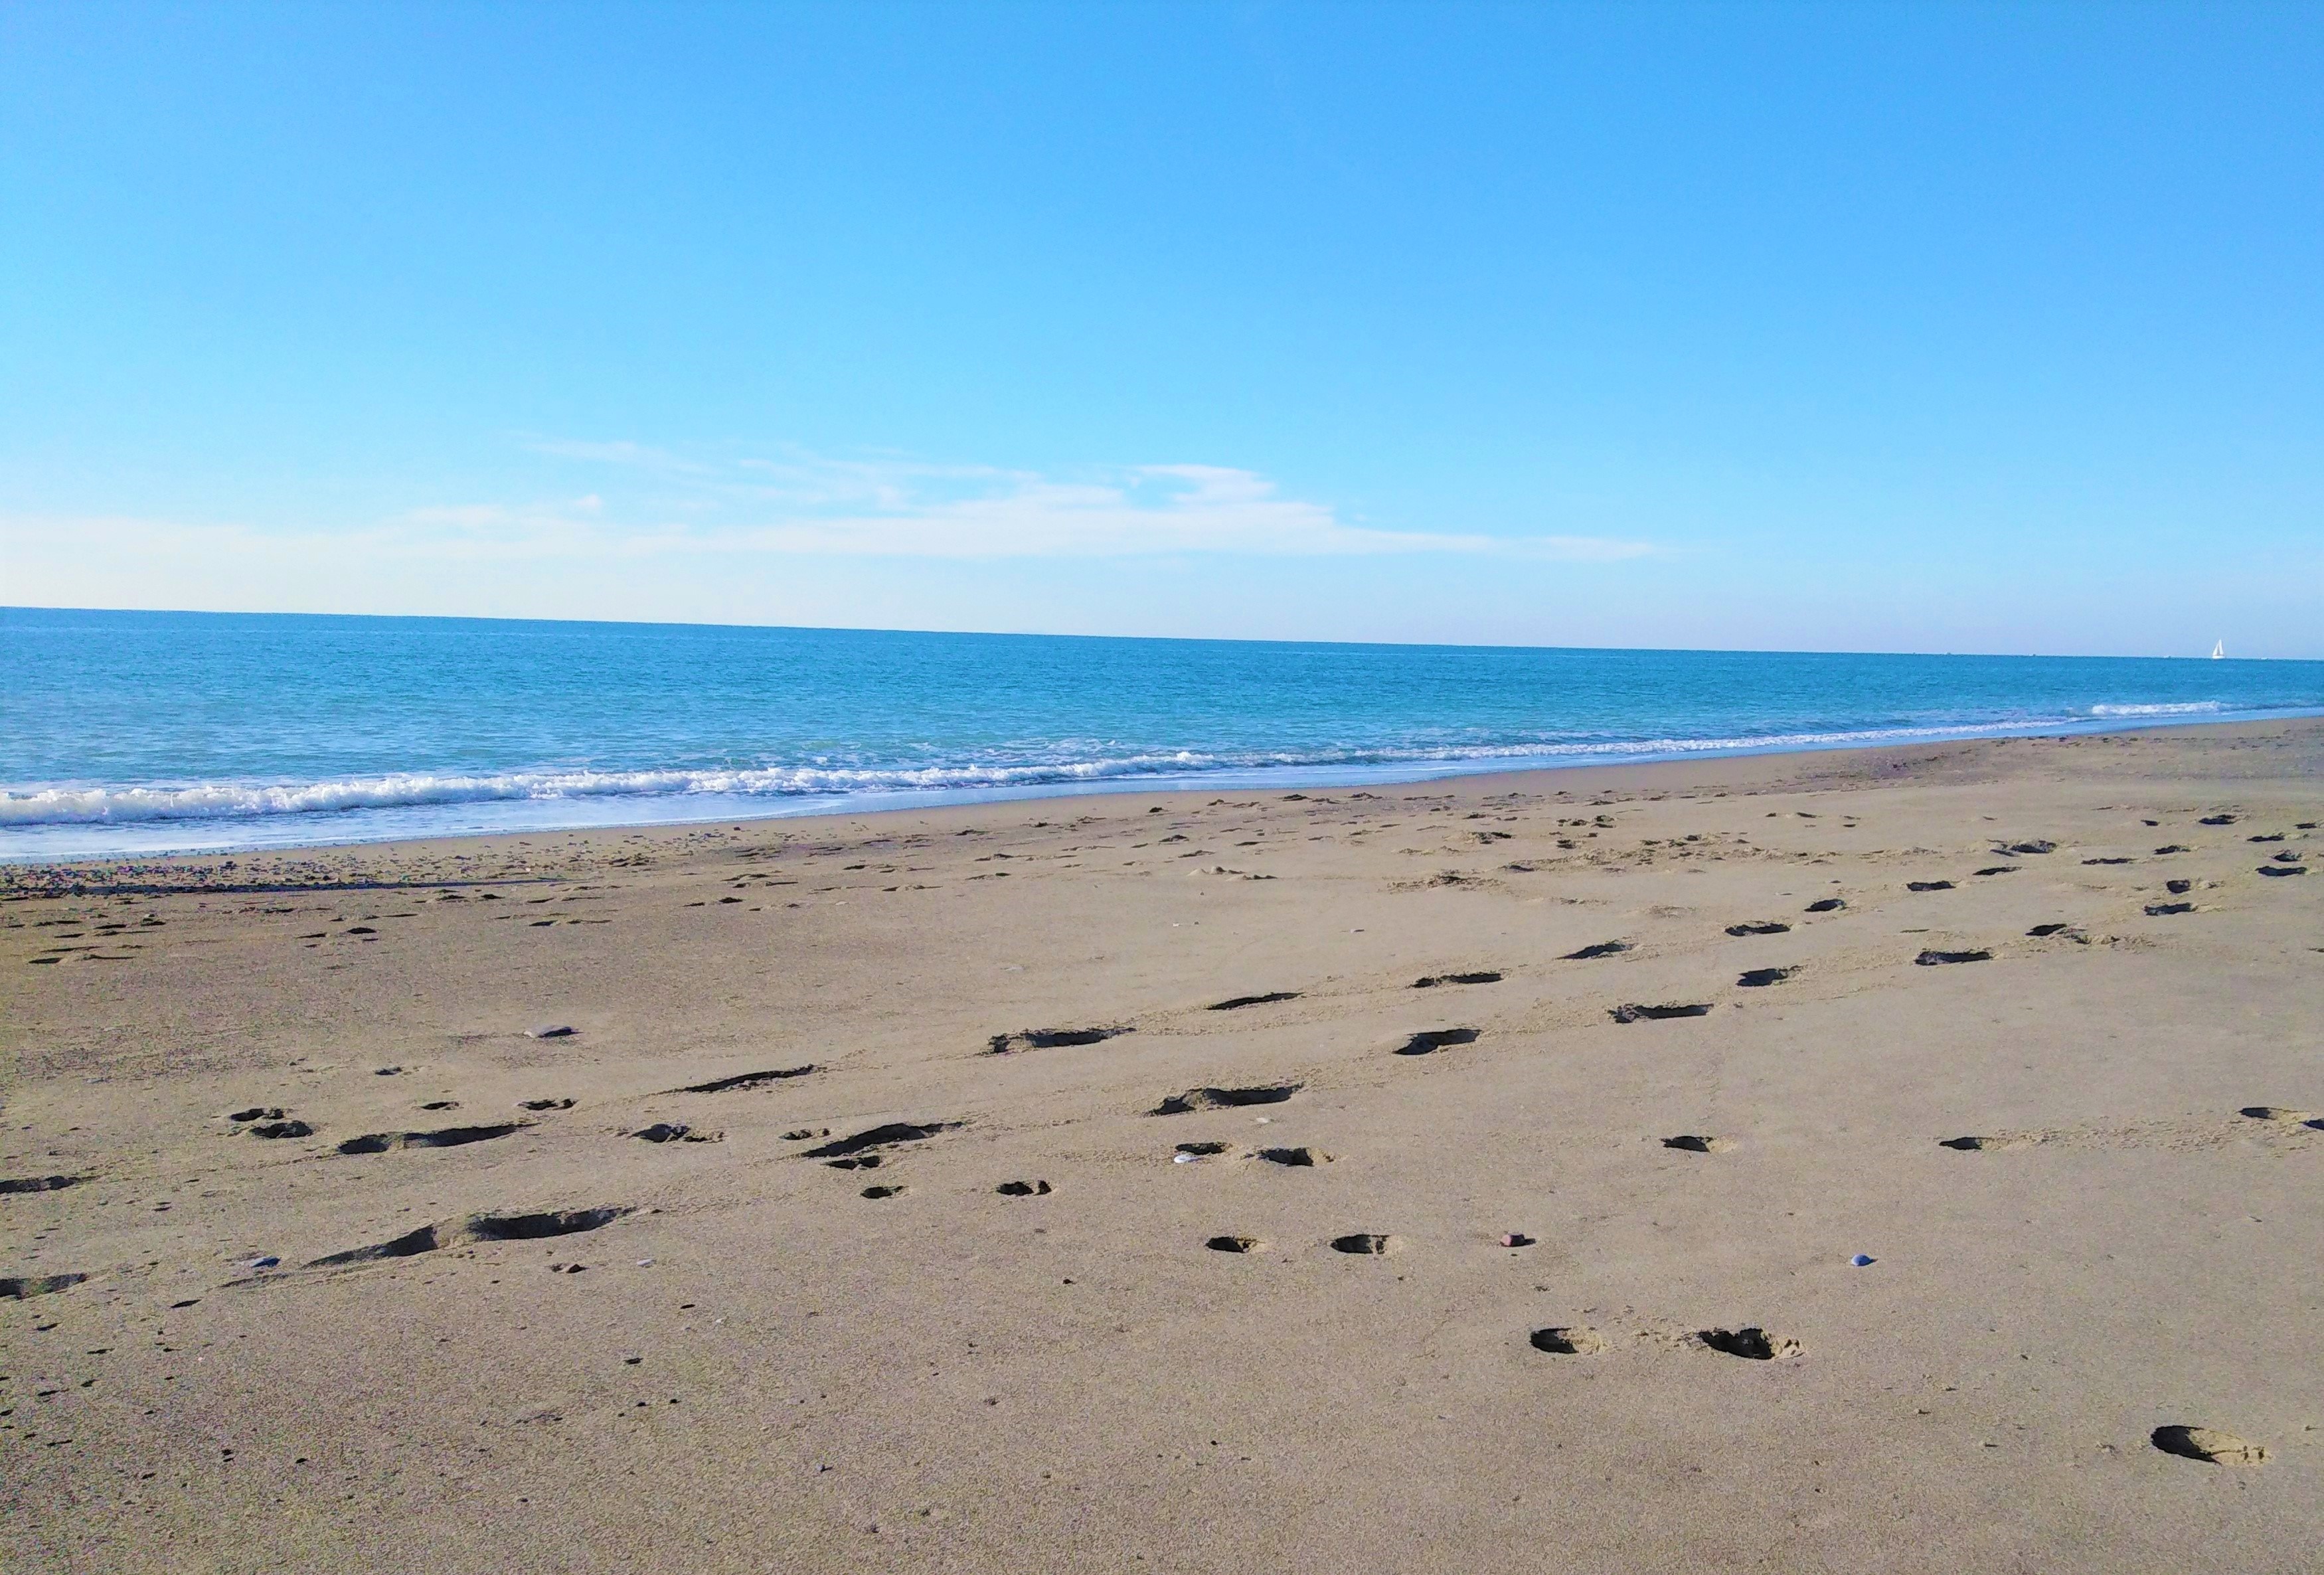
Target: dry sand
(740, 1356)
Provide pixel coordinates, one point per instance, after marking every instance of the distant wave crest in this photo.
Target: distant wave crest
(2187, 708)
(211, 801)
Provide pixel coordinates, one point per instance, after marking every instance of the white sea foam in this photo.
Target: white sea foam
(210, 801)
(2188, 709)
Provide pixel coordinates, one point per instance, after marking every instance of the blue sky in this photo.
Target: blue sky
(1864, 327)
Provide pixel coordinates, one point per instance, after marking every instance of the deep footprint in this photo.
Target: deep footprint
(881, 1137)
(1236, 1003)
(1431, 1041)
(1826, 904)
(2207, 1444)
(1766, 927)
(17, 1287)
(1223, 1099)
(40, 1184)
(1048, 1039)
(1927, 886)
(1233, 1244)
(2288, 1117)
(1751, 1343)
(1567, 1342)
(1632, 1012)
(280, 1129)
(1434, 979)
(1602, 949)
(742, 1080)
(1363, 1244)
(1938, 959)
(537, 1227)
(442, 1137)
(1759, 978)
(674, 1132)
(1697, 1143)
(1293, 1156)
(1031, 1189)
(408, 1245)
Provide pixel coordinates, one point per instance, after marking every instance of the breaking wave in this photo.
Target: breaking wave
(213, 801)
(2187, 708)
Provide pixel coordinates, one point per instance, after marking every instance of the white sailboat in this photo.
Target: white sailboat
(2218, 650)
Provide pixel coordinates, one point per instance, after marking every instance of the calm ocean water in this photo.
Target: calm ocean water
(125, 733)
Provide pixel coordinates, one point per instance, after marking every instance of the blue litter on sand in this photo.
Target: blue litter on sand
(1861, 1261)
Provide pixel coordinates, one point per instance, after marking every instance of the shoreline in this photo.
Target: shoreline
(1812, 1155)
(750, 810)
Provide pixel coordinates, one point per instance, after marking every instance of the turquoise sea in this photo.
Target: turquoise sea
(130, 732)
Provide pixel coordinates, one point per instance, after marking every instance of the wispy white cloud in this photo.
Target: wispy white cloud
(645, 532)
(886, 507)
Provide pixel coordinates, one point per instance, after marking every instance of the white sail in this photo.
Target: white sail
(2218, 650)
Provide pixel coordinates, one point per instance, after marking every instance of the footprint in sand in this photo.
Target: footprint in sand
(1826, 904)
(1750, 1343)
(1023, 1189)
(544, 1104)
(881, 1136)
(1294, 1157)
(258, 1113)
(1633, 1012)
(2164, 909)
(878, 1192)
(1202, 1150)
(1939, 959)
(293, 1129)
(1567, 1341)
(1759, 978)
(1927, 886)
(1602, 949)
(17, 1287)
(1364, 1244)
(2278, 1113)
(676, 1132)
(40, 1184)
(477, 1227)
(1219, 1099)
(1762, 928)
(1435, 979)
(442, 1137)
(1698, 1143)
(1048, 1039)
(2207, 1444)
(742, 1080)
(1431, 1041)
(1236, 1003)
(1234, 1244)
(1987, 1145)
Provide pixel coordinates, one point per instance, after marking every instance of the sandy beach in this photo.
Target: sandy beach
(1469, 1175)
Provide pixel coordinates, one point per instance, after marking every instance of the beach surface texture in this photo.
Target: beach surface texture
(1897, 1160)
